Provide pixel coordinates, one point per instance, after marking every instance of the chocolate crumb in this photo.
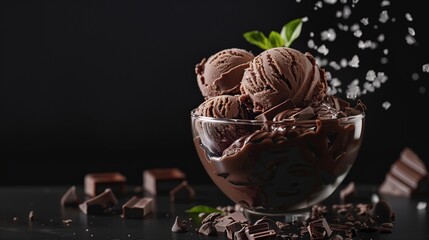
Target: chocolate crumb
(179, 227)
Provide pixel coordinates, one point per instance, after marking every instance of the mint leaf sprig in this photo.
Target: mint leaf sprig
(202, 209)
(289, 33)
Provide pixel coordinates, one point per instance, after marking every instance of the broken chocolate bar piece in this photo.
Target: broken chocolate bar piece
(319, 229)
(182, 193)
(348, 194)
(162, 180)
(271, 224)
(179, 227)
(99, 204)
(137, 208)
(70, 199)
(232, 228)
(407, 177)
(260, 231)
(207, 229)
(96, 183)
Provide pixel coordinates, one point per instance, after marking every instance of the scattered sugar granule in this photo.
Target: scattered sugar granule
(329, 35)
(384, 60)
(410, 40)
(343, 63)
(370, 75)
(330, 1)
(358, 33)
(411, 31)
(381, 38)
(425, 67)
(346, 12)
(304, 19)
(323, 50)
(422, 90)
(385, 3)
(386, 105)
(385, 51)
(384, 16)
(409, 17)
(364, 21)
(415, 76)
(334, 65)
(354, 62)
(310, 43)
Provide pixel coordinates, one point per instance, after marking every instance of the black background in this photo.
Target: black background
(92, 86)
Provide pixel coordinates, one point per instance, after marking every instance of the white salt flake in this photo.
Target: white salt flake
(384, 60)
(358, 33)
(411, 31)
(310, 43)
(311, 34)
(321, 61)
(415, 76)
(335, 82)
(354, 27)
(409, 17)
(386, 105)
(425, 68)
(421, 205)
(343, 63)
(376, 83)
(385, 3)
(381, 38)
(375, 198)
(422, 90)
(346, 12)
(384, 16)
(304, 19)
(354, 62)
(368, 86)
(329, 35)
(370, 75)
(385, 51)
(343, 27)
(323, 50)
(338, 14)
(334, 65)
(319, 4)
(364, 21)
(330, 1)
(410, 40)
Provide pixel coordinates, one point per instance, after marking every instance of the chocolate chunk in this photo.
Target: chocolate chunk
(381, 212)
(211, 217)
(336, 237)
(31, 216)
(70, 199)
(182, 193)
(238, 217)
(272, 112)
(348, 194)
(260, 231)
(137, 207)
(319, 229)
(407, 176)
(162, 180)
(271, 224)
(207, 229)
(232, 228)
(221, 223)
(241, 234)
(305, 114)
(179, 227)
(99, 204)
(96, 183)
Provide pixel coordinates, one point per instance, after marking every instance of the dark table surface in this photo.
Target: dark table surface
(17, 202)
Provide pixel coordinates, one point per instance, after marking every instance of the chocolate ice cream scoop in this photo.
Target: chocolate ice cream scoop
(218, 136)
(279, 74)
(222, 72)
(224, 106)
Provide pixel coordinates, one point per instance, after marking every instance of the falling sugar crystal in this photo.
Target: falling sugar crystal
(393, 19)
(298, 1)
(319, 4)
(353, 93)
(358, 33)
(354, 62)
(342, 27)
(375, 198)
(386, 105)
(385, 51)
(343, 1)
(381, 38)
(370, 75)
(310, 44)
(415, 76)
(335, 65)
(409, 17)
(331, 91)
(411, 31)
(381, 77)
(385, 3)
(355, 1)
(364, 21)
(304, 19)
(311, 34)
(425, 67)
(346, 12)
(329, 35)
(335, 82)
(368, 87)
(354, 27)
(410, 40)
(338, 14)
(376, 83)
(421, 205)
(384, 60)
(384, 16)
(328, 76)
(321, 61)
(323, 50)
(343, 63)
(422, 90)
(330, 1)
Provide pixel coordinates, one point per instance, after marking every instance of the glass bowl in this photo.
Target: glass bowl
(277, 168)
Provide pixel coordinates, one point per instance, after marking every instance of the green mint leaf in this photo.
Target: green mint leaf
(275, 39)
(202, 209)
(291, 31)
(257, 38)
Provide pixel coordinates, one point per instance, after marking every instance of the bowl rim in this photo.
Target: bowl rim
(347, 119)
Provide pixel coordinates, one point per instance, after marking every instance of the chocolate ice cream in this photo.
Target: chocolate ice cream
(222, 72)
(279, 74)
